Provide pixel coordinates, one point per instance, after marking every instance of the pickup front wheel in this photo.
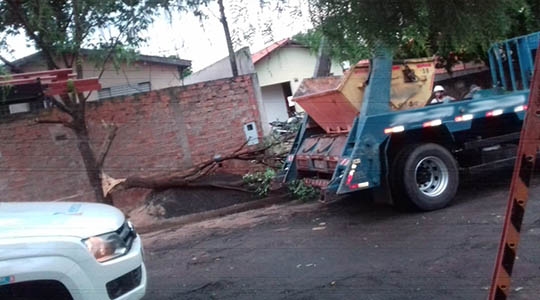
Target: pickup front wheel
(424, 177)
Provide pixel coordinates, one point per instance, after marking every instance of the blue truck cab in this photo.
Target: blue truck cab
(417, 155)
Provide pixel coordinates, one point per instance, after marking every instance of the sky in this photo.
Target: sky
(203, 44)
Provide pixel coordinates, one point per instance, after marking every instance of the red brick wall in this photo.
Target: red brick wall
(159, 131)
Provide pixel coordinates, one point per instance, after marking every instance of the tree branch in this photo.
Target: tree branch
(15, 9)
(67, 104)
(107, 57)
(109, 54)
(218, 159)
(181, 179)
(111, 134)
(61, 106)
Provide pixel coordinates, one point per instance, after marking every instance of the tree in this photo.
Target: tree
(232, 56)
(60, 29)
(345, 50)
(452, 29)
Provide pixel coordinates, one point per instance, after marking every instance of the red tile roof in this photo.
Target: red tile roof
(257, 56)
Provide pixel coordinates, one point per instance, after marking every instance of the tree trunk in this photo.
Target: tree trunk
(78, 39)
(90, 163)
(323, 65)
(232, 56)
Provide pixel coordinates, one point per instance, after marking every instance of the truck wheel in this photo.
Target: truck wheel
(424, 177)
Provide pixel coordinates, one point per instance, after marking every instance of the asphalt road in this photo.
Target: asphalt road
(352, 249)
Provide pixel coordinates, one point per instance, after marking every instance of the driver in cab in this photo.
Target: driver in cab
(440, 96)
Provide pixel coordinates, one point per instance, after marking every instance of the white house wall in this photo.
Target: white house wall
(159, 75)
(222, 68)
(289, 63)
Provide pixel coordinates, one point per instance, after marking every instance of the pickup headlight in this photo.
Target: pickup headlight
(106, 246)
(111, 245)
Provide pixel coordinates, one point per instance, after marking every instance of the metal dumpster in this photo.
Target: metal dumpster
(334, 110)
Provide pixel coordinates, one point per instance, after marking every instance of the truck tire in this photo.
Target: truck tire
(423, 177)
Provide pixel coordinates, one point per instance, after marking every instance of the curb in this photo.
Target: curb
(212, 214)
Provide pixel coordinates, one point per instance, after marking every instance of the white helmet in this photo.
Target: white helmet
(438, 88)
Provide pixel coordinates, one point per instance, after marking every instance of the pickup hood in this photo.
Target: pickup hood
(42, 219)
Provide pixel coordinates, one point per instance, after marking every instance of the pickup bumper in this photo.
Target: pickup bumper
(123, 278)
(67, 261)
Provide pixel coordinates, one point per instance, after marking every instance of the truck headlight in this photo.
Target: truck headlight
(106, 246)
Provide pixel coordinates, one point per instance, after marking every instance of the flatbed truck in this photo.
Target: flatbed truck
(372, 136)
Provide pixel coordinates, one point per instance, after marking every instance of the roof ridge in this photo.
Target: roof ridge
(259, 55)
(140, 57)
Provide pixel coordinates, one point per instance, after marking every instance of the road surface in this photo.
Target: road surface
(351, 249)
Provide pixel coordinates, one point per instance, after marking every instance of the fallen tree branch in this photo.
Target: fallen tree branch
(177, 183)
(188, 178)
(218, 158)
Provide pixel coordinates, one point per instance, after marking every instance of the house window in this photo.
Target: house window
(19, 108)
(123, 90)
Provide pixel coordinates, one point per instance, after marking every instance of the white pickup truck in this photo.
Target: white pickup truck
(69, 251)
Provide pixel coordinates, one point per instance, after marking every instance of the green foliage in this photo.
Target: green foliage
(341, 49)
(276, 149)
(260, 181)
(186, 72)
(61, 28)
(70, 86)
(311, 39)
(301, 191)
(452, 29)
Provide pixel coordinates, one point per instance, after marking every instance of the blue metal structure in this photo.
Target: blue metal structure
(476, 132)
(372, 133)
(504, 55)
(378, 91)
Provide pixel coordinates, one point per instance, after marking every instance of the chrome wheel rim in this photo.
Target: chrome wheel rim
(431, 176)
